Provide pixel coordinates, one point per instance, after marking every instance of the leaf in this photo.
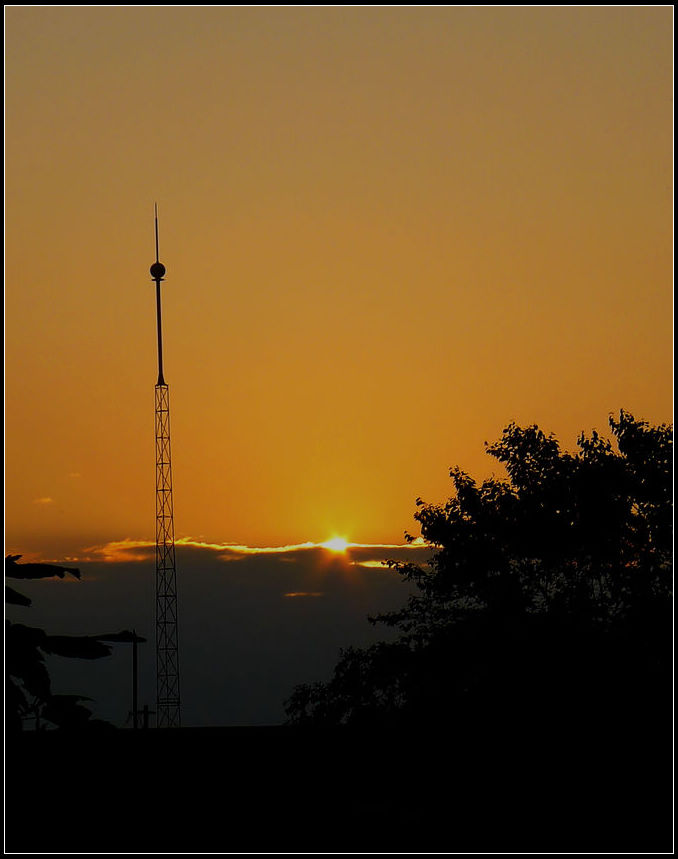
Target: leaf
(15, 598)
(80, 647)
(125, 637)
(36, 571)
(66, 711)
(24, 660)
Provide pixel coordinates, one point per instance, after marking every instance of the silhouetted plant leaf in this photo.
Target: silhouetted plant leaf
(125, 636)
(81, 647)
(36, 570)
(66, 711)
(15, 598)
(24, 660)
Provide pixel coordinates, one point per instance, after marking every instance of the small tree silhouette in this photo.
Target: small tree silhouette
(546, 593)
(28, 692)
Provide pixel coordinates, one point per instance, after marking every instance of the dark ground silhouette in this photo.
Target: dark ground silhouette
(478, 788)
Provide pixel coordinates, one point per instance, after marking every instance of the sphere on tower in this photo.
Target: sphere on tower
(157, 271)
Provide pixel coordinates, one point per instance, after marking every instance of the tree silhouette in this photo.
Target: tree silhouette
(547, 594)
(28, 693)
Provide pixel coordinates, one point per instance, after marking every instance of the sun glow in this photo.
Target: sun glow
(336, 544)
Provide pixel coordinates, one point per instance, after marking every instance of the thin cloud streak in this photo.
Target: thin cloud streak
(130, 550)
(371, 564)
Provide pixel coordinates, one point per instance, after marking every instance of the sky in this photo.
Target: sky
(388, 232)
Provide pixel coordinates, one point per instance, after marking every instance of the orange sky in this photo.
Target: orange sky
(387, 231)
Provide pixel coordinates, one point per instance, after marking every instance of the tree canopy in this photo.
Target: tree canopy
(548, 592)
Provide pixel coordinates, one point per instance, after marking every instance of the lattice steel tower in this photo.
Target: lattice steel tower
(166, 628)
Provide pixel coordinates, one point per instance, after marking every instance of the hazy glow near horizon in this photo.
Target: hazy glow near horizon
(388, 232)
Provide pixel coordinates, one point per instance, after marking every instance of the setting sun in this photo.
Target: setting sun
(336, 544)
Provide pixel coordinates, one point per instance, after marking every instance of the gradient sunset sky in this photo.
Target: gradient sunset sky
(388, 232)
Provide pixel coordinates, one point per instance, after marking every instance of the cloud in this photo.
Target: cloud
(117, 551)
(43, 501)
(238, 549)
(370, 563)
(357, 554)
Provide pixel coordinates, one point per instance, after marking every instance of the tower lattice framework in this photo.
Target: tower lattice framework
(168, 704)
(167, 638)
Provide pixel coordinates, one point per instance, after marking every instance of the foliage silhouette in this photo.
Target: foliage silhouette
(28, 693)
(547, 595)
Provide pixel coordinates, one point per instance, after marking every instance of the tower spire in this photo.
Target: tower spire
(157, 258)
(158, 274)
(167, 641)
